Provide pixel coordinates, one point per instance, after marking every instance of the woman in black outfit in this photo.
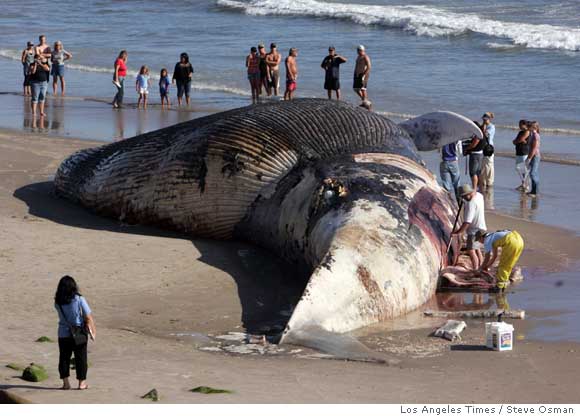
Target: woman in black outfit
(182, 77)
(73, 311)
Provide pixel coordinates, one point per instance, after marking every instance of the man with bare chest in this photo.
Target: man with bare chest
(291, 74)
(43, 48)
(273, 60)
(362, 70)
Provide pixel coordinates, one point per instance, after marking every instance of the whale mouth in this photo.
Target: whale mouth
(269, 292)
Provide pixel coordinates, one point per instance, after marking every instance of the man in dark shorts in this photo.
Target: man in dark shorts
(362, 70)
(273, 59)
(291, 74)
(475, 152)
(331, 65)
(264, 73)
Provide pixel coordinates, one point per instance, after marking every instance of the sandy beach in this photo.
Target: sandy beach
(162, 301)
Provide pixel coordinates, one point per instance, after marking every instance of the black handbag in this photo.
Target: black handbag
(488, 148)
(80, 334)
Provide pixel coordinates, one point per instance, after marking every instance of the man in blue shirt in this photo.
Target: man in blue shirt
(449, 167)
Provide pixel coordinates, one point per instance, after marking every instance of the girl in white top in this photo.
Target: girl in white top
(142, 86)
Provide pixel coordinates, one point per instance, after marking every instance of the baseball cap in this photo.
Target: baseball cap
(465, 189)
(29, 43)
(273, 45)
(360, 48)
(331, 48)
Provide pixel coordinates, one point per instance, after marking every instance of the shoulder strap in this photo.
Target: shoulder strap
(64, 316)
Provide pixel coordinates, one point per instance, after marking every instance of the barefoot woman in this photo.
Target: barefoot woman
(73, 312)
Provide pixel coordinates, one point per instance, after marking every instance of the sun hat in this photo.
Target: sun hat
(465, 189)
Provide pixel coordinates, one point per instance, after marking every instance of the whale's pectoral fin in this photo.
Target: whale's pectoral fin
(434, 130)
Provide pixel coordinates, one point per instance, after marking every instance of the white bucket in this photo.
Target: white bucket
(499, 336)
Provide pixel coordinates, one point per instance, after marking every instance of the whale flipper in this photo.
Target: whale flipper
(432, 131)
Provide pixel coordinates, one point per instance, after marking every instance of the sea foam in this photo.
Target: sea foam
(420, 20)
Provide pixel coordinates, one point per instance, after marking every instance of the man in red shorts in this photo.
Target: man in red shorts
(291, 74)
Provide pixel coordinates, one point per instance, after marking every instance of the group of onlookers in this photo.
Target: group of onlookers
(263, 70)
(182, 74)
(39, 63)
(480, 154)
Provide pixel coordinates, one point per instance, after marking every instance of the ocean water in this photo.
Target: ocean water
(517, 58)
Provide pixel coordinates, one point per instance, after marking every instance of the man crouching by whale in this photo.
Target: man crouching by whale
(511, 244)
(473, 221)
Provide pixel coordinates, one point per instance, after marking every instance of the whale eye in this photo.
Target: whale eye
(328, 194)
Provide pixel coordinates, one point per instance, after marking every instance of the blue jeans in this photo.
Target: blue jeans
(449, 171)
(183, 87)
(535, 174)
(120, 92)
(39, 91)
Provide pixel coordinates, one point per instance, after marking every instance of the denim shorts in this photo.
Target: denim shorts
(475, 164)
(183, 88)
(39, 91)
(57, 71)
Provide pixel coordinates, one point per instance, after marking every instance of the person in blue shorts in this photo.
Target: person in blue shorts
(58, 56)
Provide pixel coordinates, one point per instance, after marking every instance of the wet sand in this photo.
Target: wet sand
(161, 300)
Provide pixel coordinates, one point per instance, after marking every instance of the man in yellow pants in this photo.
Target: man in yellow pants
(511, 244)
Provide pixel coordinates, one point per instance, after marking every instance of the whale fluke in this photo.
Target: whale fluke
(434, 130)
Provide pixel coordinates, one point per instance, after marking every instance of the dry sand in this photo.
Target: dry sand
(144, 285)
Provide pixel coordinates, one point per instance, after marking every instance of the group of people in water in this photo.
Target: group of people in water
(480, 154)
(39, 63)
(182, 75)
(263, 70)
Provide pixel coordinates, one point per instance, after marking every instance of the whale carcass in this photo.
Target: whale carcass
(338, 192)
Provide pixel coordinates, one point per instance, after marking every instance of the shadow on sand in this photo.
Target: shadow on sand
(262, 276)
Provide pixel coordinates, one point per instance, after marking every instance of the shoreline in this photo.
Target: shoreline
(145, 284)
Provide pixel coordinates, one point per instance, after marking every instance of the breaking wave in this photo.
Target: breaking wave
(204, 86)
(419, 20)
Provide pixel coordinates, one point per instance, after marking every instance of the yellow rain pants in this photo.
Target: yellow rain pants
(512, 246)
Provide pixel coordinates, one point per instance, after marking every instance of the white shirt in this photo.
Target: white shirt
(474, 214)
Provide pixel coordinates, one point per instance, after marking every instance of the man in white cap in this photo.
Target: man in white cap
(473, 221)
(362, 70)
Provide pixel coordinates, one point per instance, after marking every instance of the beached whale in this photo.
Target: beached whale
(338, 192)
